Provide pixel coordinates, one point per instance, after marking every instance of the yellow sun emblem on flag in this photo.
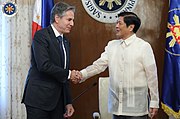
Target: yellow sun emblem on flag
(110, 3)
(37, 17)
(174, 31)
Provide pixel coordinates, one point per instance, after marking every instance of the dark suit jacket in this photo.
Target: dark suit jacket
(47, 81)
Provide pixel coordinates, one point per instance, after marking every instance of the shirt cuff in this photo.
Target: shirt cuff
(69, 74)
(84, 75)
(154, 104)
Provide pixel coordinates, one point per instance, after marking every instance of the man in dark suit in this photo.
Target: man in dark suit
(47, 91)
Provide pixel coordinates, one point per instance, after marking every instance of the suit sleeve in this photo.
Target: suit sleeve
(67, 93)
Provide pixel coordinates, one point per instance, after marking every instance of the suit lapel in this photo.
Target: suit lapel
(55, 43)
(53, 38)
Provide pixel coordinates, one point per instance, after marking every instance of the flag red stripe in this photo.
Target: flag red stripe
(35, 27)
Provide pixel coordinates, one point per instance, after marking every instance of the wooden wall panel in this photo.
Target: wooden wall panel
(89, 37)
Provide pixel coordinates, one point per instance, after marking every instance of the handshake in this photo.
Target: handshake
(76, 76)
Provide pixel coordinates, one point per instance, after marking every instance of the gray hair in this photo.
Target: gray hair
(60, 9)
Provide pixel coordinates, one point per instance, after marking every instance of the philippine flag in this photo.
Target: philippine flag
(41, 14)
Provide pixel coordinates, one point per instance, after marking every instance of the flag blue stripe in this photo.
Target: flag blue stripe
(47, 5)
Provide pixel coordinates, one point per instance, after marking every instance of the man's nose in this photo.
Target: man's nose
(72, 23)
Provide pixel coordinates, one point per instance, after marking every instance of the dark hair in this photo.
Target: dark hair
(60, 9)
(131, 18)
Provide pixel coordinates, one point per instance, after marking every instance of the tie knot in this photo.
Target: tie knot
(60, 38)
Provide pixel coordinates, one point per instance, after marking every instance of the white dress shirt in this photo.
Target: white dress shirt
(132, 71)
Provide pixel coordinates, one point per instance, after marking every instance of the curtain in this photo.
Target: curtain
(15, 43)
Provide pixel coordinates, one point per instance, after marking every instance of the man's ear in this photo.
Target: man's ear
(56, 18)
(131, 27)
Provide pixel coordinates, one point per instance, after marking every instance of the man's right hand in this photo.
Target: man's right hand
(76, 76)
